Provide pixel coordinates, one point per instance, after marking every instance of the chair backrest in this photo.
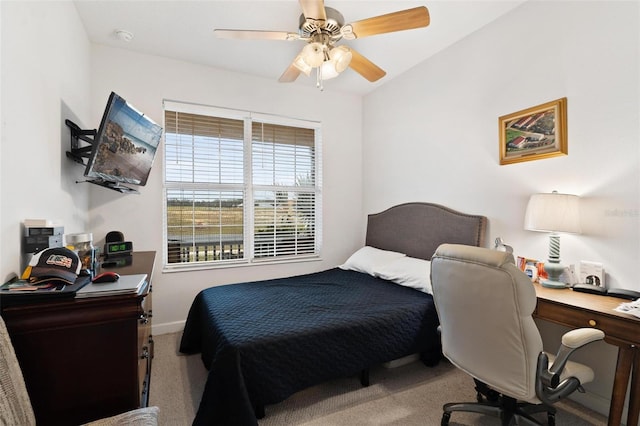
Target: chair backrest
(485, 305)
(15, 406)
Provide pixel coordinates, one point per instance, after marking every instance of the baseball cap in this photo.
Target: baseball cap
(55, 264)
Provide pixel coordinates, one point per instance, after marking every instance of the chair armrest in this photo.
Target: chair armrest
(141, 417)
(572, 340)
(550, 386)
(581, 336)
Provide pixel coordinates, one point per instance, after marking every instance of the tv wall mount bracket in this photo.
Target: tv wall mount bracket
(78, 153)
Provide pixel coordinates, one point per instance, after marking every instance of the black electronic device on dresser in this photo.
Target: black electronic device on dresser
(115, 246)
(86, 358)
(120, 249)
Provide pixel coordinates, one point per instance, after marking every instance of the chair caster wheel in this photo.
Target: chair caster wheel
(551, 419)
(445, 419)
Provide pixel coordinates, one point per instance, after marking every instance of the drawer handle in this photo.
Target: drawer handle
(592, 323)
(145, 353)
(144, 319)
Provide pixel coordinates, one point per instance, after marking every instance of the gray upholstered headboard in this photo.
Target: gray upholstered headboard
(417, 229)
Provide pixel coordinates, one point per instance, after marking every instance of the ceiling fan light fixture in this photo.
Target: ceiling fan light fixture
(328, 70)
(341, 57)
(302, 65)
(313, 54)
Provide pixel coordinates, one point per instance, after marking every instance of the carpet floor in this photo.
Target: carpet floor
(408, 395)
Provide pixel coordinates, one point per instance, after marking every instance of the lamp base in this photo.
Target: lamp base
(552, 284)
(553, 267)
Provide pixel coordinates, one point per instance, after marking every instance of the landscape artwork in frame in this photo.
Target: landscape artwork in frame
(534, 133)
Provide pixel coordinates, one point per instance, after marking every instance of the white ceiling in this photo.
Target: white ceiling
(184, 30)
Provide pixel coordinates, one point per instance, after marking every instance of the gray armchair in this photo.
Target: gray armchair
(485, 304)
(15, 406)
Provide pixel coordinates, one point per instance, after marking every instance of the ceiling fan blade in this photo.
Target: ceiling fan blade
(313, 9)
(365, 67)
(290, 74)
(397, 21)
(256, 35)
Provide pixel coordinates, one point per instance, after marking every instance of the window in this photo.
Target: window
(239, 187)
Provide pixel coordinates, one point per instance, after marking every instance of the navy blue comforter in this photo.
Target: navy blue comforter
(263, 341)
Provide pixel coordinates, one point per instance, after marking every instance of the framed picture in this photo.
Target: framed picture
(538, 273)
(534, 133)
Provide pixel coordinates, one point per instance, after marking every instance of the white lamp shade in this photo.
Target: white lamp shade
(553, 213)
(329, 70)
(341, 57)
(313, 54)
(302, 65)
(339, 60)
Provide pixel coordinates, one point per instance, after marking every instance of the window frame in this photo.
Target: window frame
(248, 117)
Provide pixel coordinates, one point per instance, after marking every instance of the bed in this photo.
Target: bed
(263, 341)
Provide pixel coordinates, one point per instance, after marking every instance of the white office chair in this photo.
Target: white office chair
(485, 304)
(15, 405)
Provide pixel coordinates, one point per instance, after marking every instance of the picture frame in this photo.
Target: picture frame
(540, 273)
(534, 133)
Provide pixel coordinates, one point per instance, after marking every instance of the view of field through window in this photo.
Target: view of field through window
(207, 196)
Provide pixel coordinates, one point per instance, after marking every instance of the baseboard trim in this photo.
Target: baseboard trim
(167, 328)
(595, 402)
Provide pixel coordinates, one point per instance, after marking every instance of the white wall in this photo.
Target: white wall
(45, 79)
(145, 81)
(439, 141)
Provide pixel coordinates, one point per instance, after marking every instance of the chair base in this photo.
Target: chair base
(506, 408)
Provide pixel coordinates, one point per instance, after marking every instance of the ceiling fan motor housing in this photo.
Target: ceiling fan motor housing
(332, 26)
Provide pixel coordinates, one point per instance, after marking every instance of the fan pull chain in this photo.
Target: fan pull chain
(319, 84)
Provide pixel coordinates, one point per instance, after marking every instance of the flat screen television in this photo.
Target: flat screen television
(124, 147)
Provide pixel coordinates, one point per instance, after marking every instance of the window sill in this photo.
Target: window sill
(200, 266)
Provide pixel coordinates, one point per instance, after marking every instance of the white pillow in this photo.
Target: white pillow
(407, 271)
(367, 258)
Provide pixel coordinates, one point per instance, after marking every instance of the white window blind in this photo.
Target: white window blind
(239, 189)
(284, 179)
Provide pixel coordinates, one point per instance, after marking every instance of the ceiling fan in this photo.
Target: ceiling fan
(321, 28)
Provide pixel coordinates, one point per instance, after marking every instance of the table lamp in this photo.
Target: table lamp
(554, 213)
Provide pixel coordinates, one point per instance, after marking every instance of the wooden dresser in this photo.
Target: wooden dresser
(85, 359)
